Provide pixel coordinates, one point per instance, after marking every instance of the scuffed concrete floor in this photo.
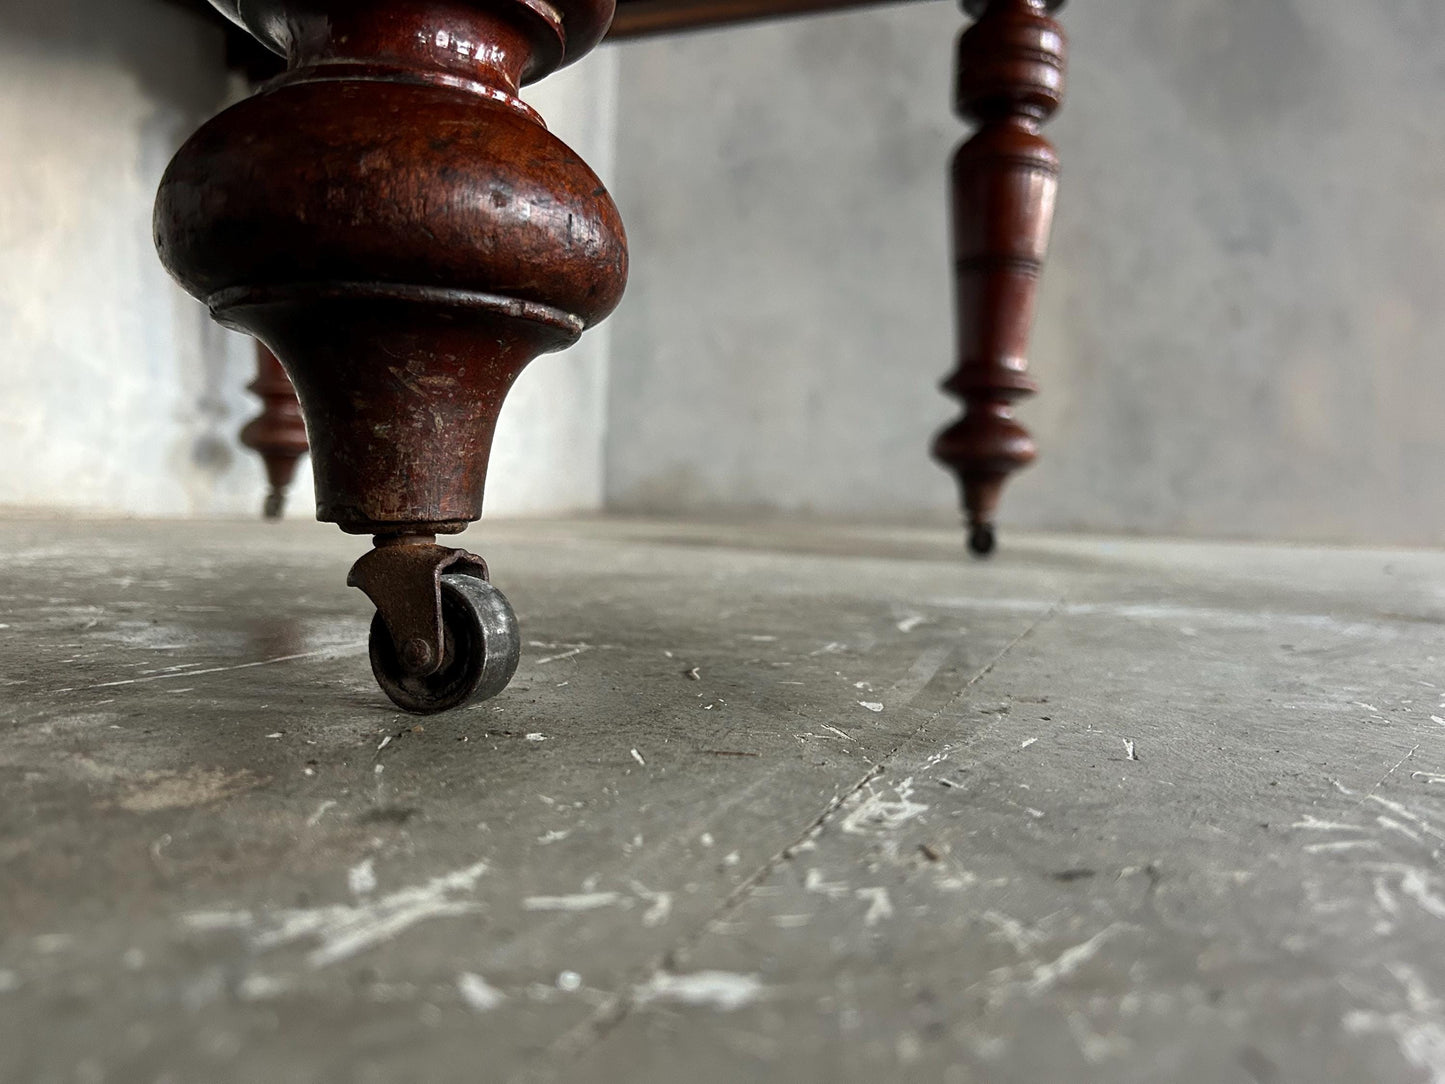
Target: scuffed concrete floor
(776, 803)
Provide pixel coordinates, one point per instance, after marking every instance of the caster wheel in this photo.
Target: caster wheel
(481, 646)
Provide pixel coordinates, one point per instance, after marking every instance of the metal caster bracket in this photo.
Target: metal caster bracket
(403, 579)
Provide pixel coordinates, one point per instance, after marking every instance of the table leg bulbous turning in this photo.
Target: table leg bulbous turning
(403, 232)
(1010, 81)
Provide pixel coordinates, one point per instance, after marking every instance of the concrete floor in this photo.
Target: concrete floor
(774, 803)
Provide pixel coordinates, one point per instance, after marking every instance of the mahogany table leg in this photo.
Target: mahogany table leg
(278, 433)
(1010, 81)
(405, 235)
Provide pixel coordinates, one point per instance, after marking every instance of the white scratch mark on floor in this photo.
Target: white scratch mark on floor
(1417, 1030)
(1048, 975)
(1409, 814)
(871, 705)
(911, 622)
(1385, 898)
(581, 901)
(1315, 824)
(1342, 845)
(878, 813)
(261, 987)
(345, 930)
(1390, 824)
(1023, 939)
(1415, 886)
(480, 995)
(835, 730)
(880, 907)
(572, 654)
(813, 882)
(661, 909)
(326, 653)
(361, 878)
(638, 757)
(722, 990)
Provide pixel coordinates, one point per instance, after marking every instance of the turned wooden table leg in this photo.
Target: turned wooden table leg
(278, 433)
(1010, 81)
(403, 232)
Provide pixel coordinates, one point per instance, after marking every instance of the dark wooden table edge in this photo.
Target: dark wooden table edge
(634, 19)
(645, 18)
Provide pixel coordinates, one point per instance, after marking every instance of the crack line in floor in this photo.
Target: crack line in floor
(575, 1042)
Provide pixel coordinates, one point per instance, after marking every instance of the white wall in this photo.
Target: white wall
(119, 394)
(1241, 322)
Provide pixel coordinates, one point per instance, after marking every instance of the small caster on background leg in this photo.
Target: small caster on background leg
(981, 539)
(442, 634)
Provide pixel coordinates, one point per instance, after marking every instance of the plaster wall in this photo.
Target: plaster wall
(1239, 328)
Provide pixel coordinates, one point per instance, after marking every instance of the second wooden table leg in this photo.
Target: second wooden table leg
(278, 433)
(1010, 81)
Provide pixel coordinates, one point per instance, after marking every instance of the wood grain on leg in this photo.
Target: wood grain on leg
(401, 229)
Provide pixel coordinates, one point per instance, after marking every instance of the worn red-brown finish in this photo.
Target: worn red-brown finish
(402, 231)
(1010, 81)
(278, 433)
